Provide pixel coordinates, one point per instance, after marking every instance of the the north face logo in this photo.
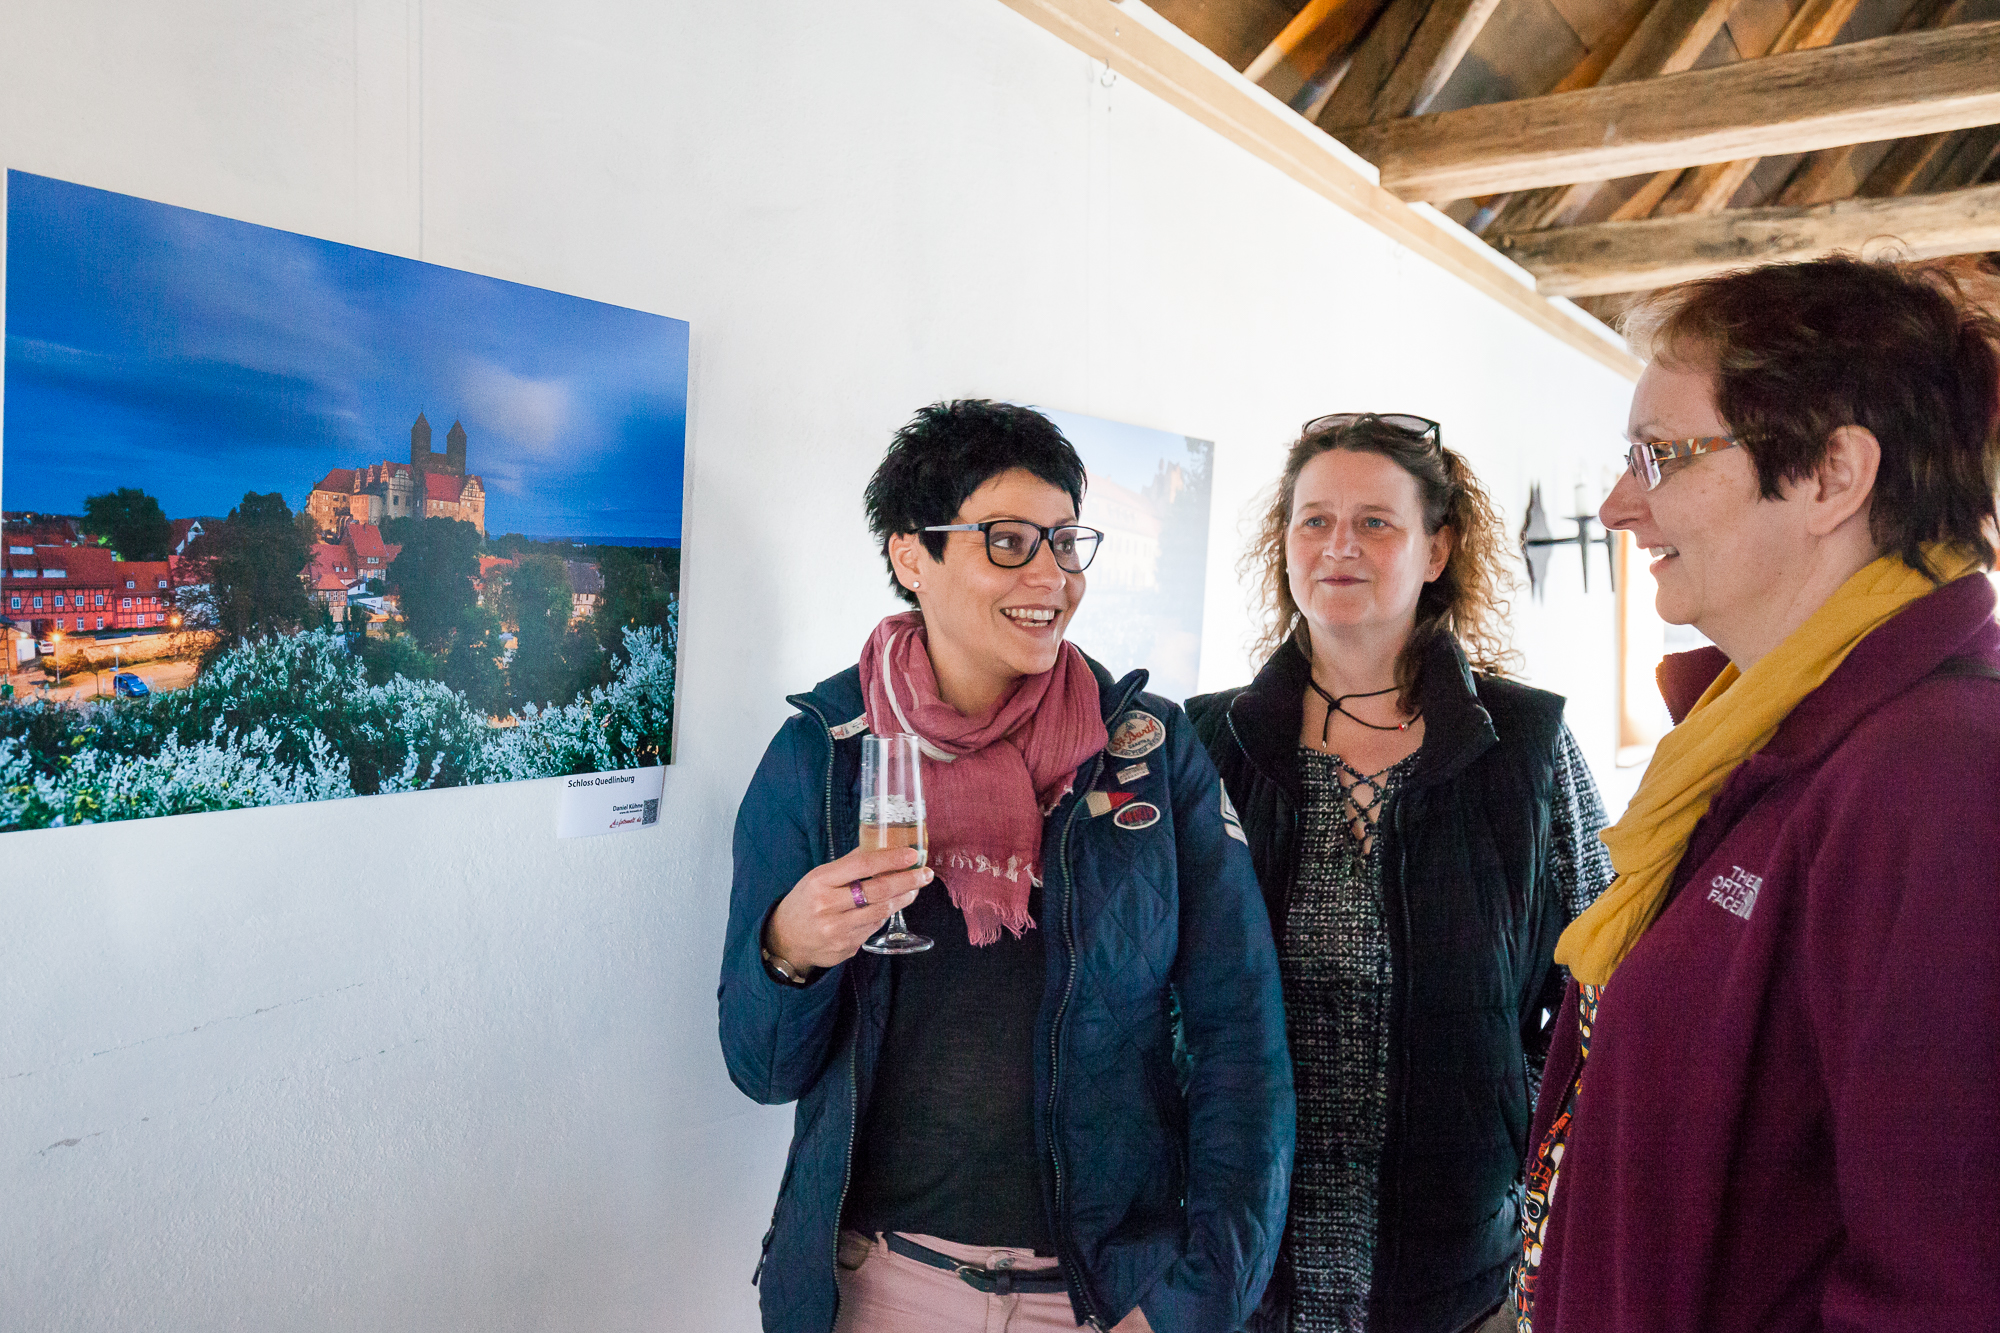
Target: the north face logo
(1736, 892)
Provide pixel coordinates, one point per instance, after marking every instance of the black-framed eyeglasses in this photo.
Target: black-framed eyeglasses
(1013, 542)
(1422, 427)
(1643, 459)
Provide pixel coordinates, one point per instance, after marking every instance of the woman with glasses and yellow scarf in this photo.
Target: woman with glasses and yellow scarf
(1423, 830)
(1773, 1100)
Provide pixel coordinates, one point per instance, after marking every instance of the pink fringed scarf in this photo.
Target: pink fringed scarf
(991, 778)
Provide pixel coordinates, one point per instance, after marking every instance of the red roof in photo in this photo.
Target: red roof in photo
(340, 479)
(58, 568)
(489, 563)
(42, 530)
(332, 567)
(440, 486)
(185, 528)
(365, 540)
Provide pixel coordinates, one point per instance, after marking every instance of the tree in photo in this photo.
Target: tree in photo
(537, 599)
(639, 591)
(473, 667)
(131, 521)
(253, 564)
(433, 576)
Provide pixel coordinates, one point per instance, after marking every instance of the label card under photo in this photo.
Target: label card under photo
(594, 803)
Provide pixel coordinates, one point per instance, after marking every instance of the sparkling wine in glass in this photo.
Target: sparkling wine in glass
(892, 815)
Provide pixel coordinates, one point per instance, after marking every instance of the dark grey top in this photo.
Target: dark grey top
(1335, 962)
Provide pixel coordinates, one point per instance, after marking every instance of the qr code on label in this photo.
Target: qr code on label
(652, 813)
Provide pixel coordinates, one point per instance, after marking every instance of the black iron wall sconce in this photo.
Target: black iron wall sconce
(1536, 539)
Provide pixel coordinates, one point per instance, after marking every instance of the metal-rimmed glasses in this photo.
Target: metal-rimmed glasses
(1013, 542)
(1422, 427)
(1643, 459)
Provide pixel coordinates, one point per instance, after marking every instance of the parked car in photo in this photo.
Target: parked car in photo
(126, 685)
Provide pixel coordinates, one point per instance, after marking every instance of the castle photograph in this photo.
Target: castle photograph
(238, 569)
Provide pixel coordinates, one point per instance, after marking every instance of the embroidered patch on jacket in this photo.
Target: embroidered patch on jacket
(1139, 814)
(1104, 802)
(854, 728)
(1128, 776)
(1136, 735)
(1737, 892)
(1231, 823)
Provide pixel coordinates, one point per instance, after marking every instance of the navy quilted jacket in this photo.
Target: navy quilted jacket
(1165, 1180)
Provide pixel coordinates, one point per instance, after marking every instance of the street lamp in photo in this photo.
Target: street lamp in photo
(55, 652)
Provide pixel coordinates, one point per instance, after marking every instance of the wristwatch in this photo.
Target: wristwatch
(780, 970)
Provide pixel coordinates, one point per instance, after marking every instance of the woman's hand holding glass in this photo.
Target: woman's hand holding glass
(831, 912)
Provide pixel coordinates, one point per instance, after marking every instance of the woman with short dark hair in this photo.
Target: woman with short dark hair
(1423, 829)
(1772, 1100)
(1076, 1107)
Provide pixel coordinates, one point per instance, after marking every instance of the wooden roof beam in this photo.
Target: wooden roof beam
(1709, 189)
(1668, 40)
(1912, 83)
(1833, 173)
(1636, 256)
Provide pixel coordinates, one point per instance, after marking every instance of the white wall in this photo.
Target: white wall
(251, 1079)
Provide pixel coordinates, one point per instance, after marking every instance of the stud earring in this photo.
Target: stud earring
(915, 584)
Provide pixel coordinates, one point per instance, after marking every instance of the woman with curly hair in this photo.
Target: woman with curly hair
(1423, 829)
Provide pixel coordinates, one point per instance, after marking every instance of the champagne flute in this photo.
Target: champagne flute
(892, 815)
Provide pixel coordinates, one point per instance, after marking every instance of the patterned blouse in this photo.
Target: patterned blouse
(1335, 965)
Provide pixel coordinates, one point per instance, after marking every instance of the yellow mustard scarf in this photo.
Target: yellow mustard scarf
(1734, 718)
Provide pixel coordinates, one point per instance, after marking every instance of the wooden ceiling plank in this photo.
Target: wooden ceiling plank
(1633, 256)
(1375, 61)
(1965, 162)
(1303, 25)
(1708, 189)
(1235, 30)
(1589, 71)
(1907, 163)
(1642, 204)
(1913, 83)
(1446, 34)
(1834, 173)
(1668, 39)
(1318, 34)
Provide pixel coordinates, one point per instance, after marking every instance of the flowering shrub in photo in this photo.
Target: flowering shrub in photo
(294, 718)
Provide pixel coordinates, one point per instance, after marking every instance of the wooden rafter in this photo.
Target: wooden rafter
(1635, 256)
(1708, 189)
(1835, 173)
(1914, 83)
(1441, 41)
(1668, 40)
(1374, 64)
(1317, 34)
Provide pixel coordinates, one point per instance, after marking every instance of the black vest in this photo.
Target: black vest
(1472, 920)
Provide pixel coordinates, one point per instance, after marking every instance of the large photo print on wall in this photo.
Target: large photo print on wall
(1148, 493)
(286, 520)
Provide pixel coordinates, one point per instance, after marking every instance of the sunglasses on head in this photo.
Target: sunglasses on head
(1423, 428)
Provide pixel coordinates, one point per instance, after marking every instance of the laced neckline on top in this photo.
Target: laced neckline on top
(1365, 793)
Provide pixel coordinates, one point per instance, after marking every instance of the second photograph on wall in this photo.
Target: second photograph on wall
(1148, 493)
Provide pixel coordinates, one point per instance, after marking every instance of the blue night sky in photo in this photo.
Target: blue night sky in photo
(198, 358)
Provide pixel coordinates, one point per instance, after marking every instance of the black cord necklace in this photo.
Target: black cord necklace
(1336, 705)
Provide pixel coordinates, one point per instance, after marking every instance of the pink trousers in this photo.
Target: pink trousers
(882, 1292)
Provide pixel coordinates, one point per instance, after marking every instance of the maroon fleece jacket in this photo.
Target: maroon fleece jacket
(1790, 1118)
